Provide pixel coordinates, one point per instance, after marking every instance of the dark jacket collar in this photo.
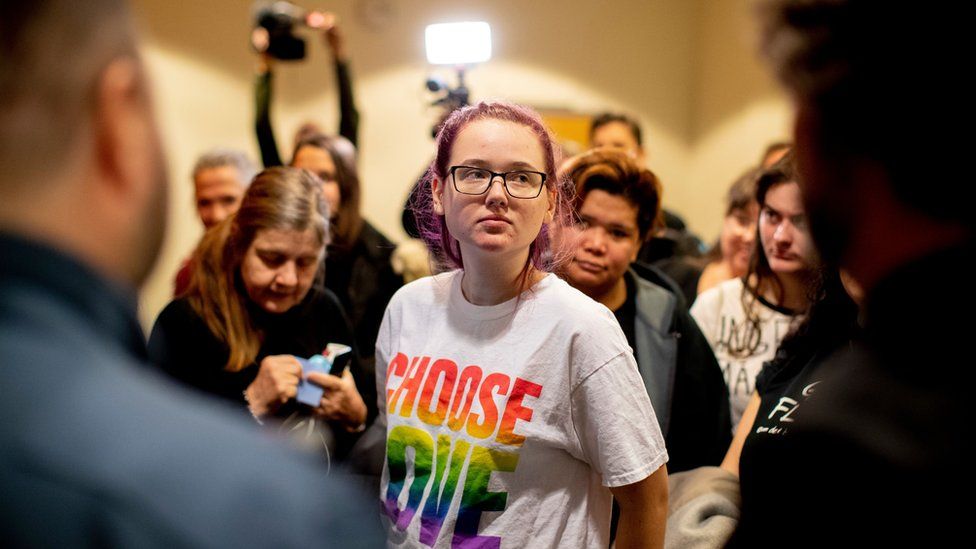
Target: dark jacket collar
(29, 266)
(657, 277)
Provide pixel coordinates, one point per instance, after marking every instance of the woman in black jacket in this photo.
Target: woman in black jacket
(357, 266)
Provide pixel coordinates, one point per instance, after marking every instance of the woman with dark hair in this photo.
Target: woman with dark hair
(745, 319)
(357, 265)
(251, 311)
(513, 407)
(792, 376)
(729, 257)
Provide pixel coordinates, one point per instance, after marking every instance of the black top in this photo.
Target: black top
(627, 313)
(183, 346)
(408, 219)
(364, 281)
(783, 385)
(685, 272)
(880, 453)
(674, 240)
(100, 450)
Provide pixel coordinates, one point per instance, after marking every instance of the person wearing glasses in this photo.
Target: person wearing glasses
(357, 265)
(745, 319)
(511, 403)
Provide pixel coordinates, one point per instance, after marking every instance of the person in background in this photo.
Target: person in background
(729, 257)
(786, 386)
(616, 203)
(670, 247)
(707, 502)
(357, 266)
(348, 115)
(97, 449)
(879, 455)
(421, 187)
(251, 309)
(411, 258)
(785, 383)
(745, 319)
(561, 420)
(220, 178)
(618, 131)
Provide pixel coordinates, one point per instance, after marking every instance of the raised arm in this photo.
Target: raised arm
(262, 113)
(348, 115)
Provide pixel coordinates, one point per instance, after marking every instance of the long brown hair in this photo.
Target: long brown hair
(348, 220)
(278, 198)
(760, 277)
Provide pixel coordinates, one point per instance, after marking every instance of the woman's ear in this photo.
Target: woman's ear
(436, 193)
(551, 210)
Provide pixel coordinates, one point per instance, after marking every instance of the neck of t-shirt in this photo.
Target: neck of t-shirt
(463, 305)
(491, 282)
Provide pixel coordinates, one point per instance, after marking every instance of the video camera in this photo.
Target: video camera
(274, 30)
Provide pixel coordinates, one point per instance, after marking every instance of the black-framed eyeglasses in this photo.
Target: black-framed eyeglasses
(517, 183)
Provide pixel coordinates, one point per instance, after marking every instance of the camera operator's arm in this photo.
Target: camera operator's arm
(262, 113)
(348, 115)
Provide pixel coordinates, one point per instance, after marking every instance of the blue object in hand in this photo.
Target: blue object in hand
(308, 392)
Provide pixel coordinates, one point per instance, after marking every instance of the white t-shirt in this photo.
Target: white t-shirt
(722, 318)
(506, 424)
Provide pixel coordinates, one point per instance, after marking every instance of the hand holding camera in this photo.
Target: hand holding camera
(275, 26)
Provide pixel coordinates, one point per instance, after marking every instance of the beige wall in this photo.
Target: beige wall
(685, 68)
(738, 110)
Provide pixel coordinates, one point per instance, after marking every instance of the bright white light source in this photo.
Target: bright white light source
(458, 43)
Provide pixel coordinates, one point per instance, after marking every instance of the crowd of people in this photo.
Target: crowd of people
(573, 368)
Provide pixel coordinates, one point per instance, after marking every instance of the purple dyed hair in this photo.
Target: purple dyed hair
(445, 250)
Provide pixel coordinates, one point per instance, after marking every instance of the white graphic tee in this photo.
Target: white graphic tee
(506, 424)
(722, 318)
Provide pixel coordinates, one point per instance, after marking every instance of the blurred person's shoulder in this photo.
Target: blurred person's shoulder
(102, 436)
(854, 437)
(99, 446)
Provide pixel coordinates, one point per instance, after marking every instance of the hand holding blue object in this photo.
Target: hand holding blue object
(309, 393)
